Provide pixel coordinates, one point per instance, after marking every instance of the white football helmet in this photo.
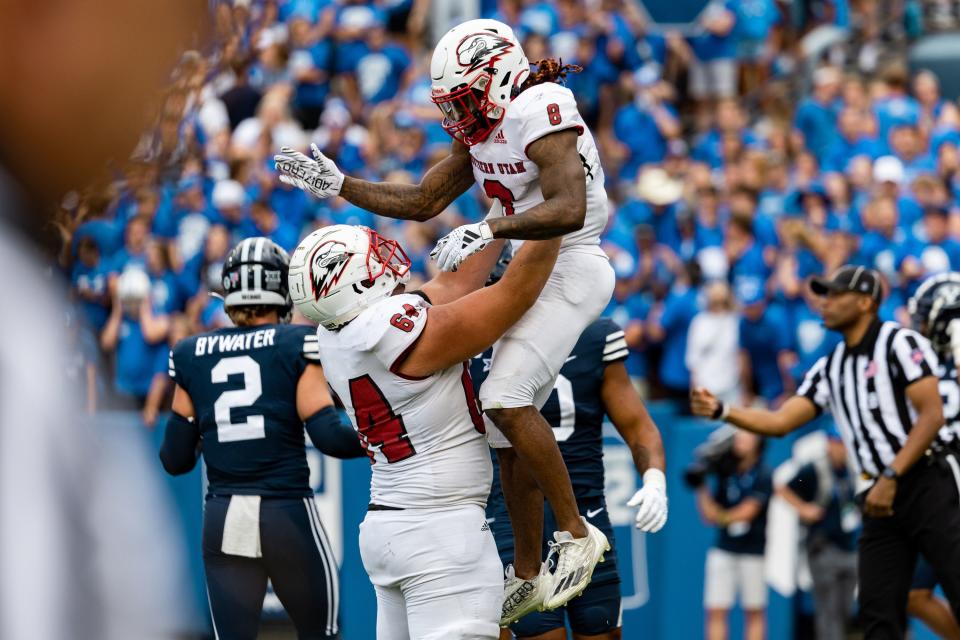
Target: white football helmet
(476, 69)
(338, 271)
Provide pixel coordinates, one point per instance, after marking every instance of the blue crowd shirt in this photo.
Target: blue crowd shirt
(818, 124)
(379, 73)
(755, 18)
(707, 46)
(841, 151)
(893, 111)
(763, 340)
(137, 360)
(636, 128)
(749, 269)
(540, 18)
(318, 56)
(349, 52)
(679, 309)
(635, 308)
(92, 280)
(107, 235)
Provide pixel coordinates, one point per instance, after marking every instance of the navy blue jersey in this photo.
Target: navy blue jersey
(243, 384)
(575, 408)
(729, 491)
(950, 392)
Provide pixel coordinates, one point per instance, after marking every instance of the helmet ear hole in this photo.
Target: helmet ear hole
(366, 284)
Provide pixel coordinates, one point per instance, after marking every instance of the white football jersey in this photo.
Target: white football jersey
(425, 436)
(503, 170)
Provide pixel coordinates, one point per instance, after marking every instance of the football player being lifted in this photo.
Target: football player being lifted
(519, 136)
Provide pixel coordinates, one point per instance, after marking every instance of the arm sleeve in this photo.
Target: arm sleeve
(615, 344)
(913, 354)
(816, 387)
(331, 436)
(180, 447)
(550, 109)
(310, 349)
(175, 364)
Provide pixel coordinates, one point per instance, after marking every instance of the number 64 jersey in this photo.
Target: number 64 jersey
(504, 172)
(425, 436)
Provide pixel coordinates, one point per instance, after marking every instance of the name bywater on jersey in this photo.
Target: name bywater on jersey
(237, 342)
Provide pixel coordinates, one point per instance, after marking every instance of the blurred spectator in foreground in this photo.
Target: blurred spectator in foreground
(97, 556)
(733, 487)
(822, 493)
(713, 345)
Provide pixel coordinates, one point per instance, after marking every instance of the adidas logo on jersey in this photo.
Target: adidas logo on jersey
(485, 526)
(500, 138)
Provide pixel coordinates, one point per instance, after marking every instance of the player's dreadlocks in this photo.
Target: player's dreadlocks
(549, 70)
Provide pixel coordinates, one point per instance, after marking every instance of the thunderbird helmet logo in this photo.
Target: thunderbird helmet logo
(479, 49)
(326, 267)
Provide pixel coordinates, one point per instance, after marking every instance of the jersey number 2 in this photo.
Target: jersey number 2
(377, 422)
(252, 427)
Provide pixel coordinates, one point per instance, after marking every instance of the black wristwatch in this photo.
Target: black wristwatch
(890, 474)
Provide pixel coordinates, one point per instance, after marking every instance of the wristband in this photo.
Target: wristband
(655, 478)
(485, 232)
(721, 412)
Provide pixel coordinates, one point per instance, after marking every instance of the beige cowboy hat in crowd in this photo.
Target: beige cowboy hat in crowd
(657, 187)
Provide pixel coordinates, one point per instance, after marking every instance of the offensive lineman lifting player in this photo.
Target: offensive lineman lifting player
(398, 361)
(521, 138)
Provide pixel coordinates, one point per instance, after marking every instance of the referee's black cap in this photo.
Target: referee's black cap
(850, 278)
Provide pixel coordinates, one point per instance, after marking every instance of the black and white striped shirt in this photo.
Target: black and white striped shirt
(864, 387)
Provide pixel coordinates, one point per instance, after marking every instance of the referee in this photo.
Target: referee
(880, 384)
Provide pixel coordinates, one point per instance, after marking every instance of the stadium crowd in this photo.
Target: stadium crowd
(733, 175)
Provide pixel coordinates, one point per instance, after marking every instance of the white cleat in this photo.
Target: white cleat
(576, 559)
(522, 596)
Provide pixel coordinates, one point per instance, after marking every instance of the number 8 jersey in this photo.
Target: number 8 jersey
(424, 436)
(243, 384)
(504, 172)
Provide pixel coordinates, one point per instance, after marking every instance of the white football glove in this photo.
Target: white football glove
(652, 502)
(319, 177)
(460, 244)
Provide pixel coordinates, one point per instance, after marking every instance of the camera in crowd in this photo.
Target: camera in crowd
(714, 457)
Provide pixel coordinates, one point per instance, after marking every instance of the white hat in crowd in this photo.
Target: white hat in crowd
(888, 169)
(658, 188)
(228, 194)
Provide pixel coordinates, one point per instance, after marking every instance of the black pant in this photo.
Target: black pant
(296, 557)
(926, 519)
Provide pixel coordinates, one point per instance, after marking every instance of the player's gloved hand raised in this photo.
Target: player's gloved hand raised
(320, 177)
(652, 502)
(460, 244)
